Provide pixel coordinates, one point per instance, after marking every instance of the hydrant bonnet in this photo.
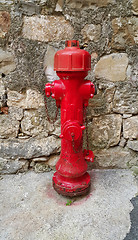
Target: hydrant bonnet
(72, 58)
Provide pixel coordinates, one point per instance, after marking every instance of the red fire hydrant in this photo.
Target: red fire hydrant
(72, 93)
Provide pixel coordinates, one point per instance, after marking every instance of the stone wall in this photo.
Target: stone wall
(31, 31)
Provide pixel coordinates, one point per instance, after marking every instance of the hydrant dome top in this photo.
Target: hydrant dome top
(72, 58)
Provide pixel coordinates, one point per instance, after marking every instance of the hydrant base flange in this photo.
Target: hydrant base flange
(71, 187)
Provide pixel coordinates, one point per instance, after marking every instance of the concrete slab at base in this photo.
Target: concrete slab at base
(31, 210)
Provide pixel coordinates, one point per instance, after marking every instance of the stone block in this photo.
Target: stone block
(57, 128)
(59, 6)
(126, 99)
(28, 8)
(135, 6)
(42, 167)
(5, 22)
(16, 99)
(125, 32)
(9, 2)
(47, 28)
(127, 115)
(91, 32)
(53, 160)
(102, 102)
(105, 130)
(112, 67)
(34, 99)
(41, 159)
(135, 170)
(13, 166)
(130, 128)
(34, 123)
(16, 113)
(7, 62)
(29, 148)
(28, 100)
(133, 145)
(88, 3)
(113, 158)
(122, 142)
(48, 7)
(9, 126)
(133, 160)
(3, 99)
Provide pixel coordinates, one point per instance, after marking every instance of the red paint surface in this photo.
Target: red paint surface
(72, 93)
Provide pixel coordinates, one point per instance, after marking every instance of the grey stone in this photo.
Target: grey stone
(7, 62)
(122, 142)
(2, 94)
(57, 128)
(28, 8)
(114, 158)
(13, 166)
(102, 103)
(105, 130)
(32, 164)
(59, 6)
(109, 65)
(135, 6)
(130, 128)
(31, 209)
(133, 145)
(9, 126)
(135, 170)
(42, 167)
(40, 159)
(15, 99)
(91, 32)
(5, 2)
(30, 99)
(125, 101)
(53, 160)
(29, 148)
(124, 32)
(16, 113)
(47, 28)
(34, 123)
(22, 135)
(133, 160)
(127, 115)
(88, 3)
(34, 99)
(48, 7)
(29, 72)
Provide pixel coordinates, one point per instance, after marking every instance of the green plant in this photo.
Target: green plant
(69, 202)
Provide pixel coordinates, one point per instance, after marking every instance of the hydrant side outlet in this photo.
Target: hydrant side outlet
(72, 93)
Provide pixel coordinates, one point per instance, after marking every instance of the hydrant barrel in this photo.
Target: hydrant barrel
(72, 92)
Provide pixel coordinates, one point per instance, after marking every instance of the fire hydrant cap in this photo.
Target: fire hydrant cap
(72, 58)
